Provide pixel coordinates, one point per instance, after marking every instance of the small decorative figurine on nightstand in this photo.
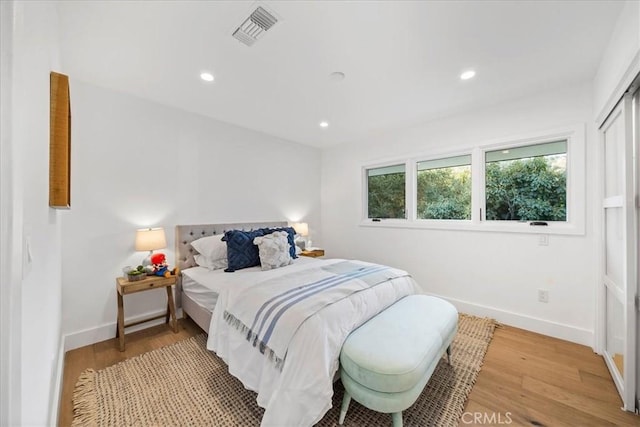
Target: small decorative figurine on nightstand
(160, 266)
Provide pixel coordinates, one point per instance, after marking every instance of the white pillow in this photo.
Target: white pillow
(203, 261)
(213, 252)
(274, 250)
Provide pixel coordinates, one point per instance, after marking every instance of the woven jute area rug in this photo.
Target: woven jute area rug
(186, 385)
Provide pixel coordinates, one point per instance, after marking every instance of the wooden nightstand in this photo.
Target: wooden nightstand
(125, 287)
(314, 253)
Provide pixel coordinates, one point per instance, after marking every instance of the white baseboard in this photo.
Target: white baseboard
(534, 324)
(107, 331)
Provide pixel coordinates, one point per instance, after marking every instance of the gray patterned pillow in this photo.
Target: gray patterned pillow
(274, 250)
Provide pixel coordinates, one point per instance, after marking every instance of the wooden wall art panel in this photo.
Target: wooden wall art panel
(59, 142)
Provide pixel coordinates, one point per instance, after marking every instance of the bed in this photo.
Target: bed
(294, 383)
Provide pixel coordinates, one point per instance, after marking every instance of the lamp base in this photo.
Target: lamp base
(301, 242)
(147, 260)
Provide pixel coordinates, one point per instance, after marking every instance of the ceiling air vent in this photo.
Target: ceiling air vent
(254, 26)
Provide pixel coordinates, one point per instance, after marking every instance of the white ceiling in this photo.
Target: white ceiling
(402, 60)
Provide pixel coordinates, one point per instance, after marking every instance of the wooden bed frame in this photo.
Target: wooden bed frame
(185, 234)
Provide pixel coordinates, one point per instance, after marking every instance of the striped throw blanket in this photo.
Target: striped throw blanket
(271, 313)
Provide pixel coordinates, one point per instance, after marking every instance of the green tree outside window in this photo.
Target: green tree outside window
(444, 193)
(386, 192)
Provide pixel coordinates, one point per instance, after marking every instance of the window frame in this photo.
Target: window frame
(576, 186)
(365, 191)
(429, 222)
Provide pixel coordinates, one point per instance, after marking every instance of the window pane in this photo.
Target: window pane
(444, 188)
(386, 192)
(527, 183)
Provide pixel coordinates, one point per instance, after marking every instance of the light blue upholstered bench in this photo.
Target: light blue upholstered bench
(386, 363)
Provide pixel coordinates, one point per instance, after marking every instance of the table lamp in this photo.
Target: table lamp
(302, 229)
(150, 239)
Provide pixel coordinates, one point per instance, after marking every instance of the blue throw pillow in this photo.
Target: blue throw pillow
(290, 238)
(241, 252)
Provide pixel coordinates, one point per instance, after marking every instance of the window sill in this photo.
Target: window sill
(486, 226)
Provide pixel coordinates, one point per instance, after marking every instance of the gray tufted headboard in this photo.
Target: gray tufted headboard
(185, 234)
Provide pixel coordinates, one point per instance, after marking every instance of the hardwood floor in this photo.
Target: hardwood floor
(543, 381)
(527, 379)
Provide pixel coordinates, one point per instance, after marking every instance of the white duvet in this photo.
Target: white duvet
(300, 394)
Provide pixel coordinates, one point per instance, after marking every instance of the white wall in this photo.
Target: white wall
(136, 163)
(620, 62)
(35, 281)
(484, 273)
(9, 290)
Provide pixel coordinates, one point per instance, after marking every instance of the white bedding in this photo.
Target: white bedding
(196, 290)
(203, 285)
(300, 394)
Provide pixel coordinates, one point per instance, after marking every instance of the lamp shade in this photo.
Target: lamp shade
(302, 228)
(150, 239)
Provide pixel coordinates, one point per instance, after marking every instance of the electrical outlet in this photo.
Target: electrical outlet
(543, 240)
(543, 295)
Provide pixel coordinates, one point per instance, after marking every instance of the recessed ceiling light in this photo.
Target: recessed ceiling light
(324, 124)
(207, 77)
(467, 75)
(337, 76)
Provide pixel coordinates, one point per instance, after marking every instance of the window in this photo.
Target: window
(527, 183)
(444, 188)
(386, 192)
(530, 184)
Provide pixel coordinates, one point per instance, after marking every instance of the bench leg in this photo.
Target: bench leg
(397, 419)
(449, 355)
(345, 406)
